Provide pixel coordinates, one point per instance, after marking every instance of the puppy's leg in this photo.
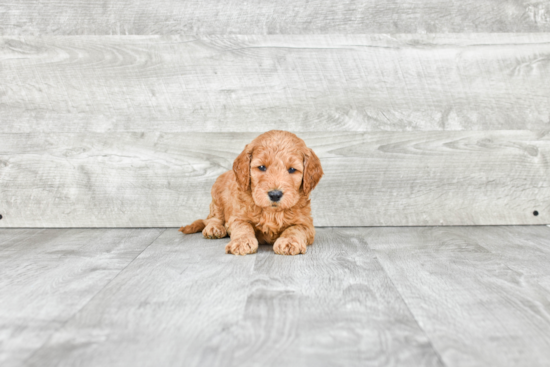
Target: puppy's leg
(214, 229)
(243, 240)
(214, 223)
(294, 240)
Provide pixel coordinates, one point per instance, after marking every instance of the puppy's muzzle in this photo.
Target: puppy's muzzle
(275, 195)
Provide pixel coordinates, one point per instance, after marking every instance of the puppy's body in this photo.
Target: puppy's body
(265, 198)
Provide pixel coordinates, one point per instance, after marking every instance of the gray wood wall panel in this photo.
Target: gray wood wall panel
(268, 17)
(259, 83)
(376, 178)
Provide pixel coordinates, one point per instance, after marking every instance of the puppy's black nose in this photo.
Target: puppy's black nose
(275, 195)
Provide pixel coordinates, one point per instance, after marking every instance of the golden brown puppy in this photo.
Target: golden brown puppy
(265, 198)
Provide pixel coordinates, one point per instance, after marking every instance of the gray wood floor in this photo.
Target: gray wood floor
(443, 296)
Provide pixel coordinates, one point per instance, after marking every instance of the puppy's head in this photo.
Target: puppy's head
(277, 168)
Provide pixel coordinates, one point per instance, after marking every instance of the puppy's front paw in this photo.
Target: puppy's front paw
(212, 231)
(242, 246)
(289, 246)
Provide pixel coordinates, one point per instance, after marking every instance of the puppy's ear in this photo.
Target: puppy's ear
(241, 167)
(312, 171)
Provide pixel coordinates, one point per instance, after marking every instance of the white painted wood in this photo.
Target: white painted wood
(48, 277)
(265, 17)
(183, 301)
(258, 83)
(474, 307)
(371, 179)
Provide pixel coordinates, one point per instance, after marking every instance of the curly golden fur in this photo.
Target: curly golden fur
(265, 198)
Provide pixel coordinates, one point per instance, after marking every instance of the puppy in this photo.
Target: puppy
(265, 198)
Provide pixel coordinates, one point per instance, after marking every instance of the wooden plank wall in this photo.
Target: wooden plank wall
(115, 113)
(144, 17)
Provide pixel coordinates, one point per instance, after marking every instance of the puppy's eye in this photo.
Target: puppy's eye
(291, 170)
(262, 168)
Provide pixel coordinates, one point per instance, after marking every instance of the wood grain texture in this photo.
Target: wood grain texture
(525, 249)
(49, 276)
(258, 83)
(474, 307)
(162, 310)
(453, 296)
(371, 179)
(185, 302)
(15, 236)
(265, 17)
(334, 306)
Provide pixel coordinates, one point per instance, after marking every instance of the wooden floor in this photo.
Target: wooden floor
(413, 296)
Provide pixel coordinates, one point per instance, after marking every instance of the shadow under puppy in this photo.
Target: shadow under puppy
(265, 198)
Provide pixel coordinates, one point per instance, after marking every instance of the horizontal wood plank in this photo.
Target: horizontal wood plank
(264, 17)
(475, 308)
(371, 179)
(258, 83)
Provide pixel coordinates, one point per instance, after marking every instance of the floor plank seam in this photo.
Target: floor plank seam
(250, 290)
(408, 306)
(47, 340)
